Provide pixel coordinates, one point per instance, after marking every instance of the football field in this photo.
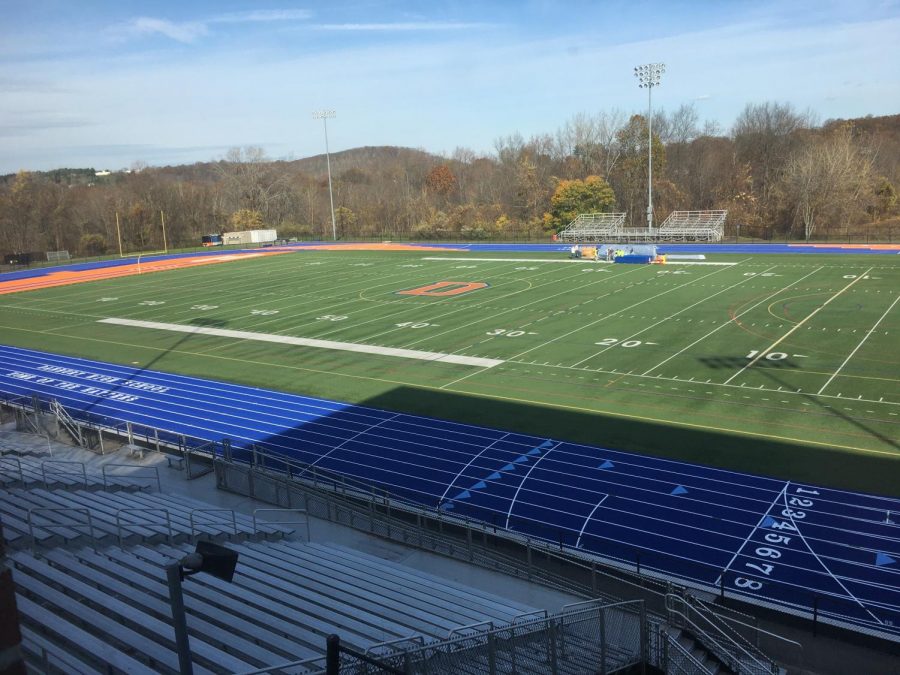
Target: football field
(781, 365)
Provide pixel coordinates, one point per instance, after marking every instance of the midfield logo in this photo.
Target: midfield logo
(445, 288)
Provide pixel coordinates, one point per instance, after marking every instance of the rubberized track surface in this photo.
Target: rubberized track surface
(797, 545)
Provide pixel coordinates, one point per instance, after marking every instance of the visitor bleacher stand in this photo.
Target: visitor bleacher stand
(684, 226)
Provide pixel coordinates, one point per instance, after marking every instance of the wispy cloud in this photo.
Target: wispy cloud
(189, 31)
(180, 32)
(408, 26)
(263, 15)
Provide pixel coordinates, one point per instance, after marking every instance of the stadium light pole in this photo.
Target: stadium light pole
(649, 76)
(325, 115)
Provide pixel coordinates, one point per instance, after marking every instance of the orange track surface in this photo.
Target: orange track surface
(65, 277)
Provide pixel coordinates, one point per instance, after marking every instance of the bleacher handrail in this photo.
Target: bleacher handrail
(120, 525)
(195, 527)
(304, 521)
(48, 526)
(4, 459)
(135, 468)
(60, 462)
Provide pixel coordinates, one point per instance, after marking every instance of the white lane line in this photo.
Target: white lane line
(519, 489)
(753, 531)
(310, 342)
(784, 337)
(345, 441)
(728, 323)
(468, 464)
(788, 510)
(861, 342)
(587, 520)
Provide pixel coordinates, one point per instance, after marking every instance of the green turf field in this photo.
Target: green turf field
(781, 365)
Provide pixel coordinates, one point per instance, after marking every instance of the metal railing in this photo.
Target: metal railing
(56, 468)
(303, 521)
(167, 522)
(133, 474)
(195, 527)
(63, 526)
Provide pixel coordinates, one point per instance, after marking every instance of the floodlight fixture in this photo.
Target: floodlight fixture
(649, 75)
(326, 114)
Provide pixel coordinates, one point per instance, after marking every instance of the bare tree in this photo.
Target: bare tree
(828, 180)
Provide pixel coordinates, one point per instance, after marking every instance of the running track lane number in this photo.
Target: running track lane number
(769, 553)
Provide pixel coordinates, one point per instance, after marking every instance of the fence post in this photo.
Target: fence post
(333, 655)
(602, 640)
(551, 636)
(492, 653)
(594, 578)
(815, 614)
(645, 643)
(528, 556)
(469, 539)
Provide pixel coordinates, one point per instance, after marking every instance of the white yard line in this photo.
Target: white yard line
(788, 334)
(861, 342)
(309, 342)
(728, 323)
(609, 316)
(674, 314)
(753, 531)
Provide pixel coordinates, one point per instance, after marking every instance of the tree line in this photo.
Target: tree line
(777, 171)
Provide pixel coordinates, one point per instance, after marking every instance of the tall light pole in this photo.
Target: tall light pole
(325, 115)
(649, 76)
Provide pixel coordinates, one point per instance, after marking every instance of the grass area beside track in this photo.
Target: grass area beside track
(780, 365)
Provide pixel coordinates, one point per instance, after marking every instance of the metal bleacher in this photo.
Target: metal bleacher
(679, 226)
(693, 226)
(591, 227)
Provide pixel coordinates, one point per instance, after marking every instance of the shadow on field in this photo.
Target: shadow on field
(796, 462)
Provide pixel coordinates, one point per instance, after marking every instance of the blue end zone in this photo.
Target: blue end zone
(797, 545)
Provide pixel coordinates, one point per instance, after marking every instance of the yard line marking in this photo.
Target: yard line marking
(786, 335)
(474, 457)
(664, 319)
(309, 342)
(781, 494)
(728, 323)
(865, 337)
(624, 309)
(512, 503)
(588, 519)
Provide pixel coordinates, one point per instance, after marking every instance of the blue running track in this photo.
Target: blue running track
(793, 544)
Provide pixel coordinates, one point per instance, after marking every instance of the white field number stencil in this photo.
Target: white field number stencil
(331, 317)
(264, 312)
(414, 324)
(151, 303)
(613, 342)
(205, 307)
(505, 332)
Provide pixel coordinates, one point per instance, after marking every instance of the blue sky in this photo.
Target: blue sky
(106, 84)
